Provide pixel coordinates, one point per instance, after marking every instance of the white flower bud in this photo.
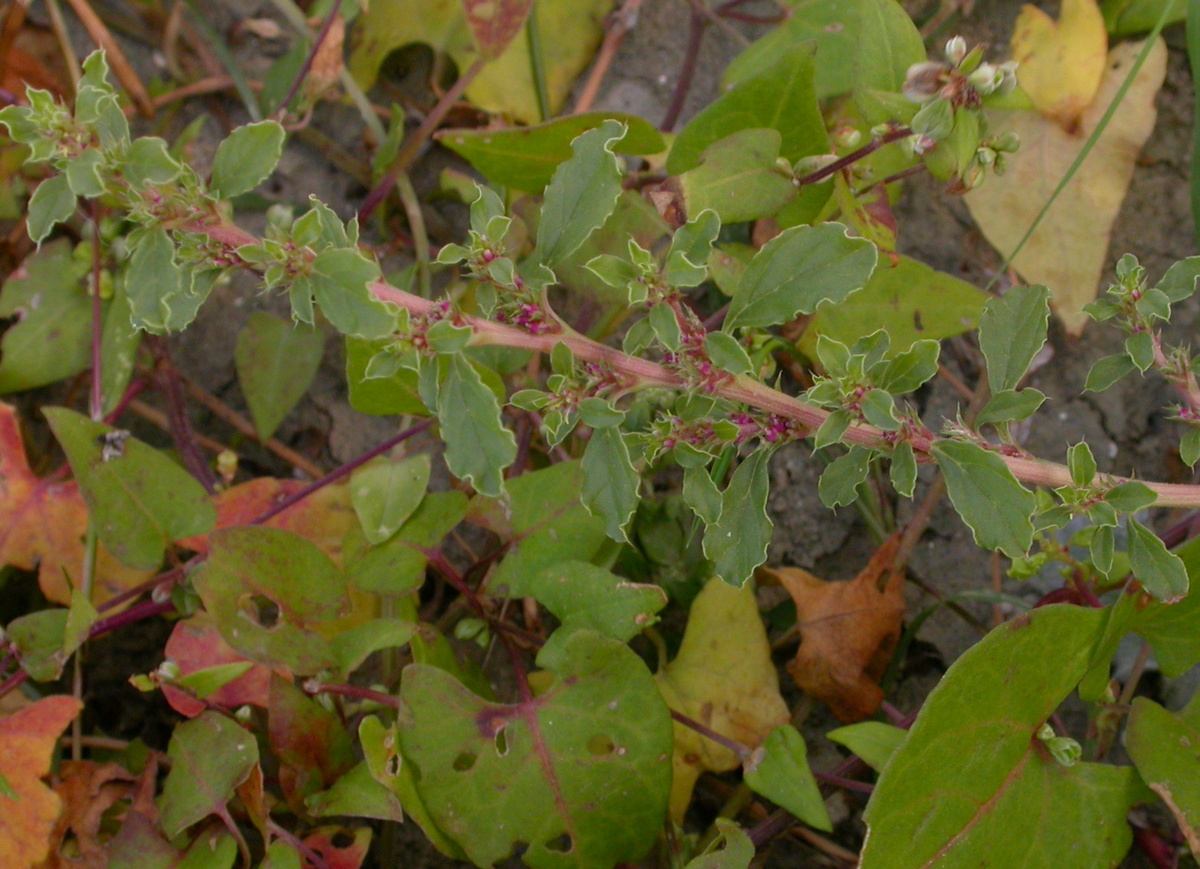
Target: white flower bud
(956, 50)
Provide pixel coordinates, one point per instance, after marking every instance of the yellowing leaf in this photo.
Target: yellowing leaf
(1068, 249)
(570, 31)
(848, 631)
(722, 677)
(1061, 63)
(29, 809)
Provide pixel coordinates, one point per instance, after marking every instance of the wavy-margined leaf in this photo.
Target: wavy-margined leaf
(995, 506)
(581, 195)
(246, 157)
(798, 270)
(941, 801)
(781, 97)
(737, 542)
(478, 446)
(525, 157)
(1165, 748)
(610, 482)
(139, 499)
(580, 774)
(1011, 332)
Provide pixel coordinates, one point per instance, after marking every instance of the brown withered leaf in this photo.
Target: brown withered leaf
(87, 790)
(848, 631)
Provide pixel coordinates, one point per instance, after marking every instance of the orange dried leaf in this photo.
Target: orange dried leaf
(26, 747)
(43, 522)
(848, 631)
(87, 790)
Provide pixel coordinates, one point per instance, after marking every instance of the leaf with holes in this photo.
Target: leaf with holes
(27, 741)
(211, 755)
(276, 363)
(941, 801)
(580, 774)
(139, 499)
(268, 589)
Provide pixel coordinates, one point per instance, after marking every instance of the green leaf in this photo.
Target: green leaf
(737, 542)
(1160, 571)
(356, 794)
(276, 363)
(51, 338)
(1081, 463)
(246, 158)
(779, 771)
(942, 801)
(1165, 748)
(83, 174)
(339, 283)
(1189, 447)
(352, 647)
(395, 394)
(580, 775)
(583, 595)
(1108, 371)
(51, 204)
(267, 589)
(686, 263)
(797, 271)
(610, 482)
(888, 44)
(780, 98)
(211, 756)
(909, 300)
(903, 470)
(701, 493)
(478, 446)
(1139, 347)
(138, 498)
(995, 506)
(581, 195)
(879, 409)
(727, 353)
(386, 493)
(541, 520)
(149, 162)
(841, 478)
(1011, 332)
(1130, 17)
(152, 279)
(39, 639)
(525, 158)
(738, 178)
(1010, 405)
(911, 368)
(397, 566)
(736, 852)
(873, 741)
(832, 24)
(309, 741)
(119, 344)
(1179, 282)
(832, 429)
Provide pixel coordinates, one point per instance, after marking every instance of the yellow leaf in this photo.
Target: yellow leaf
(1061, 63)
(570, 32)
(722, 677)
(1067, 251)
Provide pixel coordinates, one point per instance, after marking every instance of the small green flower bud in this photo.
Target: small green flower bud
(815, 163)
(986, 79)
(847, 137)
(985, 156)
(1009, 142)
(168, 670)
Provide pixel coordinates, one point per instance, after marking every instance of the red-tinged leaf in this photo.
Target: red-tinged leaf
(341, 847)
(311, 743)
(87, 790)
(322, 518)
(211, 756)
(43, 522)
(140, 844)
(196, 644)
(494, 23)
(26, 748)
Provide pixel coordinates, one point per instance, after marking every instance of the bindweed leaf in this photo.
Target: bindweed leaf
(736, 851)
(397, 566)
(386, 493)
(139, 499)
(212, 755)
(779, 771)
(494, 24)
(888, 44)
(873, 741)
(276, 363)
(580, 774)
(1165, 748)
